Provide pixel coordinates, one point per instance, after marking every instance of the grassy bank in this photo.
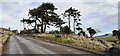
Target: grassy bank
(3, 39)
(90, 44)
(109, 39)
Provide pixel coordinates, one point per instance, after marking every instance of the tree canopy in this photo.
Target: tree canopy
(74, 13)
(45, 15)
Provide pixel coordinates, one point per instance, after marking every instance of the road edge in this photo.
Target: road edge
(71, 46)
(4, 44)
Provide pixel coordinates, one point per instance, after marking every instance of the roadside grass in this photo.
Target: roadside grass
(3, 39)
(53, 38)
(82, 43)
(0, 44)
(94, 45)
(91, 44)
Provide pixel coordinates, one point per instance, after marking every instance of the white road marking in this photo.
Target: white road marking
(35, 47)
(38, 50)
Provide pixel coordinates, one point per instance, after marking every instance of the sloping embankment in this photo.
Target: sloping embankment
(3, 41)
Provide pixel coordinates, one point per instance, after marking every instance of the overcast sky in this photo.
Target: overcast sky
(100, 14)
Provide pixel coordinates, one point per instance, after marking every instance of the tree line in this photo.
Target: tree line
(44, 16)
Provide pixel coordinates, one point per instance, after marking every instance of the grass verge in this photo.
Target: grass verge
(3, 41)
(82, 44)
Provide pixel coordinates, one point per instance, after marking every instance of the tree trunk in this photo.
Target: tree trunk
(24, 26)
(69, 23)
(42, 26)
(91, 35)
(60, 27)
(38, 29)
(36, 25)
(45, 27)
(74, 26)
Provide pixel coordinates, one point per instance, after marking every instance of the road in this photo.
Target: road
(22, 45)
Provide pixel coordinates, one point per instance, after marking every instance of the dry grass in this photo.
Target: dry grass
(87, 43)
(0, 44)
(4, 38)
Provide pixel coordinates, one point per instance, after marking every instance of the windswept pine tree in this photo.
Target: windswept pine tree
(27, 21)
(45, 15)
(72, 12)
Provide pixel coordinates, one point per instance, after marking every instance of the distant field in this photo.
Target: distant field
(110, 39)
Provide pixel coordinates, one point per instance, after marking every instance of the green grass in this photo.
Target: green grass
(110, 39)
(82, 43)
(51, 38)
(66, 41)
